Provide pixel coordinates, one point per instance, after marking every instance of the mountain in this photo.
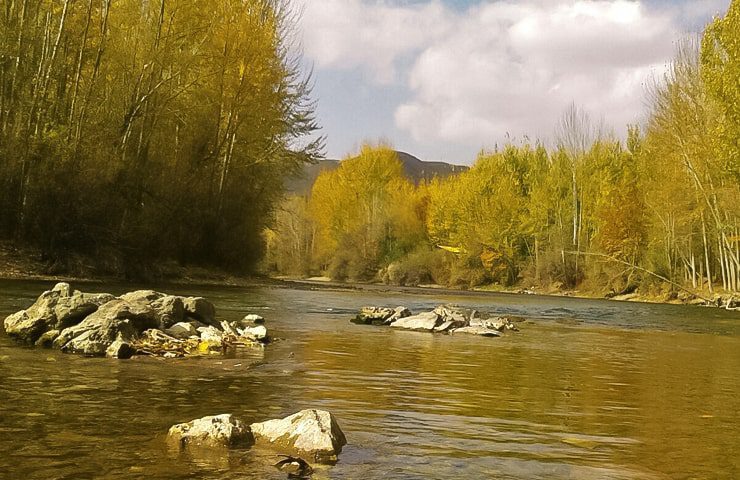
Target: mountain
(415, 169)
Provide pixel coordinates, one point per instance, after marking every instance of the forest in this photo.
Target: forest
(657, 211)
(134, 133)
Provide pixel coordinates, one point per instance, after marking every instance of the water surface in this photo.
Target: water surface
(588, 389)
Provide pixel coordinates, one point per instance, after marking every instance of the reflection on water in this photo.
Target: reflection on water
(587, 390)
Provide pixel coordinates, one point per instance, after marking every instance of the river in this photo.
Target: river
(589, 389)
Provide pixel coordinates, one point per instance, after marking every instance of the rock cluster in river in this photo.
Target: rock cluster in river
(313, 434)
(443, 319)
(139, 322)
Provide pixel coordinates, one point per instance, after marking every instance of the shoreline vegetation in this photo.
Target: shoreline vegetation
(24, 265)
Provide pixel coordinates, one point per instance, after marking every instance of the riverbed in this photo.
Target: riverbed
(588, 389)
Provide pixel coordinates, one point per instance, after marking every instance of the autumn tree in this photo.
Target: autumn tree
(135, 132)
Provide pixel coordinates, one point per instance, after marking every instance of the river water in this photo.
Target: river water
(588, 389)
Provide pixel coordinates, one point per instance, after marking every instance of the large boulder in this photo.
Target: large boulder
(215, 431)
(427, 321)
(165, 310)
(55, 309)
(313, 434)
(73, 309)
(94, 336)
(116, 320)
(169, 310)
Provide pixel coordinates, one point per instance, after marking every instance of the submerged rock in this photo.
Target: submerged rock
(312, 433)
(295, 467)
(477, 330)
(215, 431)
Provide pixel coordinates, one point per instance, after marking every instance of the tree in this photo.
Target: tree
(137, 132)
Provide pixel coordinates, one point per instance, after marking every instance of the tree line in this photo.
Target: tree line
(137, 131)
(659, 209)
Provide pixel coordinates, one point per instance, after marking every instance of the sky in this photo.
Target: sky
(444, 79)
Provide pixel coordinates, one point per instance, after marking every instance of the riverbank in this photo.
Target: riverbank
(680, 298)
(22, 263)
(25, 263)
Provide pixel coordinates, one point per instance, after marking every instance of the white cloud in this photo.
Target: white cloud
(347, 34)
(498, 67)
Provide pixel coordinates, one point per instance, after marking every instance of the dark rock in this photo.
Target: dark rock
(200, 309)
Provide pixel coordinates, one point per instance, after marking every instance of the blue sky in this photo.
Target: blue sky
(443, 79)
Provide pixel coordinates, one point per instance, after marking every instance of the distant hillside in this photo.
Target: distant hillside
(416, 170)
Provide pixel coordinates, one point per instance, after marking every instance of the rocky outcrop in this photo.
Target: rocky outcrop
(55, 309)
(443, 319)
(309, 433)
(216, 431)
(140, 322)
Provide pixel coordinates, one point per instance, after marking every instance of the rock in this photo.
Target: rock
(215, 431)
(63, 289)
(120, 349)
(94, 337)
(211, 334)
(373, 315)
(503, 323)
(423, 321)
(398, 313)
(47, 339)
(113, 320)
(258, 333)
(448, 325)
(252, 319)
(156, 336)
(141, 296)
(295, 467)
(495, 323)
(25, 327)
(170, 310)
(200, 309)
(182, 330)
(477, 330)
(312, 433)
(55, 309)
(73, 309)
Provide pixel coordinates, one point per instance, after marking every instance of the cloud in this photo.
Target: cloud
(374, 37)
(476, 74)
